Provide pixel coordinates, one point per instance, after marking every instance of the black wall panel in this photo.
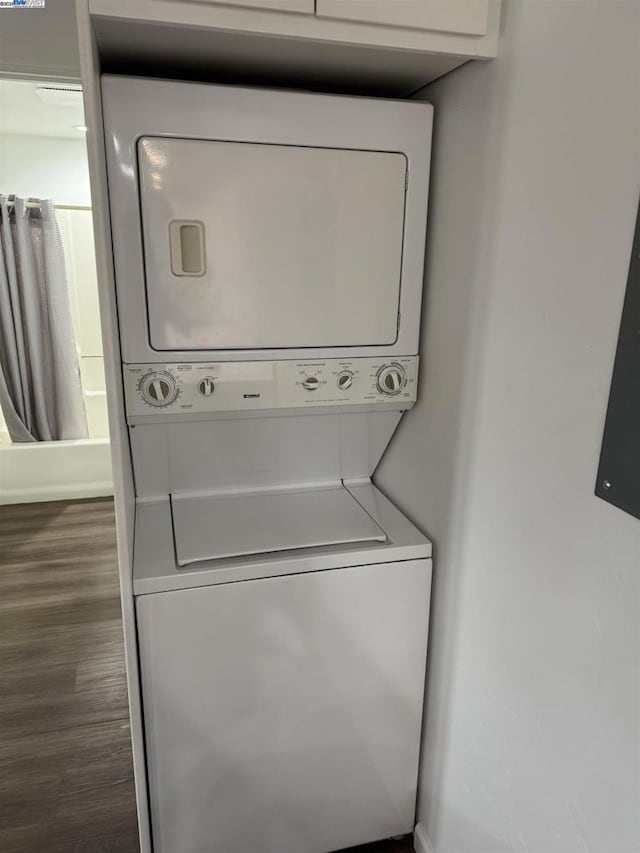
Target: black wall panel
(619, 470)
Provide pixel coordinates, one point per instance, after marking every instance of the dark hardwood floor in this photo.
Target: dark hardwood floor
(66, 779)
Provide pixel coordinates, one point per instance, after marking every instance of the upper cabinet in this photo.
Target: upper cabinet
(466, 17)
(386, 47)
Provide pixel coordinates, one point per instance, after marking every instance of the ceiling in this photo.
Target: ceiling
(23, 111)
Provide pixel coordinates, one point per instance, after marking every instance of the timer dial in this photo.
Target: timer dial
(391, 379)
(158, 389)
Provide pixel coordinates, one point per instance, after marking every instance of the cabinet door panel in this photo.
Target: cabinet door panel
(467, 17)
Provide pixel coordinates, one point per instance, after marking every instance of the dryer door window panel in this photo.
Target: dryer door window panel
(251, 246)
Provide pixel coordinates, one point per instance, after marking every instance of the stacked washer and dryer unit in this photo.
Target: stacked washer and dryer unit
(268, 251)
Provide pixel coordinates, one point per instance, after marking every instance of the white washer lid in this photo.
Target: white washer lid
(210, 527)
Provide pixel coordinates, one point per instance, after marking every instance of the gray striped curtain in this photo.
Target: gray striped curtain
(40, 387)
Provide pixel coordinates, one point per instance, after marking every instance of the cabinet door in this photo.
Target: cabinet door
(467, 17)
(304, 6)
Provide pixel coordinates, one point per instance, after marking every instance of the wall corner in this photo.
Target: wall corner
(421, 841)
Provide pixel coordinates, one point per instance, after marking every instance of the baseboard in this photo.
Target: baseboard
(66, 492)
(421, 842)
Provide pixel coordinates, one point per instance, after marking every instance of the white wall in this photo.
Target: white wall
(44, 167)
(532, 721)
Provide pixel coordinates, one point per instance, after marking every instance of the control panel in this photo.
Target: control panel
(249, 385)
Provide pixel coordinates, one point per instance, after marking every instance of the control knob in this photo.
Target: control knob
(345, 380)
(206, 386)
(311, 383)
(158, 389)
(391, 379)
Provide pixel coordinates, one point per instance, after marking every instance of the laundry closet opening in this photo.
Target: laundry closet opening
(54, 437)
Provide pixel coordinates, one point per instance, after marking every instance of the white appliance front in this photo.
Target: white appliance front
(282, 715)
(270, 246)
(265, 225)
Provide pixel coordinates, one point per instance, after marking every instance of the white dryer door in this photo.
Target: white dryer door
(251, 246)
